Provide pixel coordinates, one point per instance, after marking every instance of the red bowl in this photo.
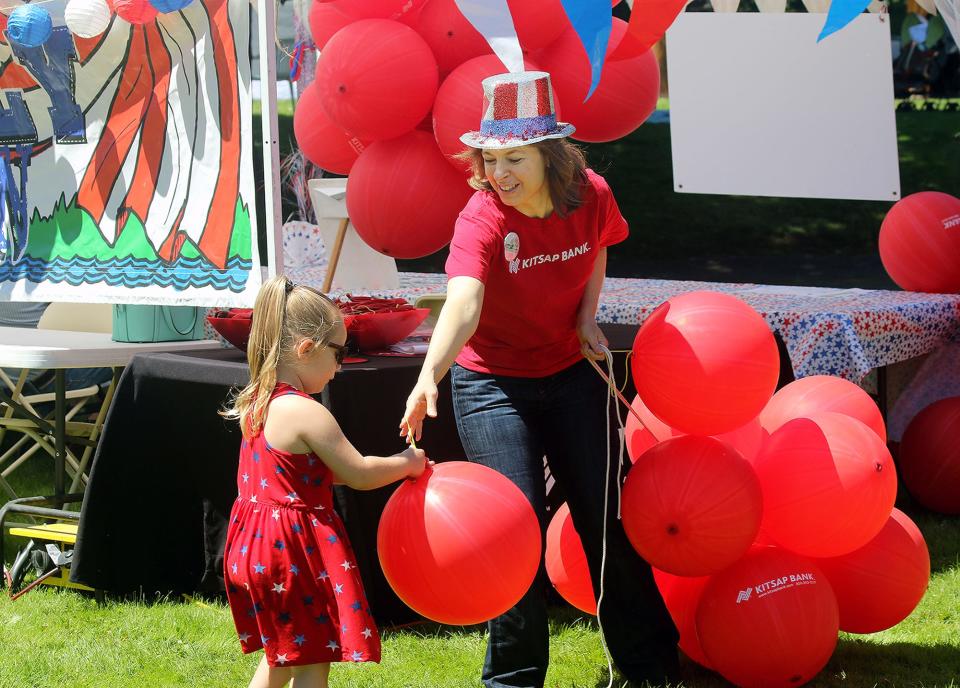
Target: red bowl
(372, 331)
(234, 330)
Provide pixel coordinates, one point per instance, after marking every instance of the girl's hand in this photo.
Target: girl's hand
(422, 402)
(418, 461)
(591, 339)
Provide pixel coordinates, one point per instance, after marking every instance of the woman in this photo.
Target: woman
(525, 270)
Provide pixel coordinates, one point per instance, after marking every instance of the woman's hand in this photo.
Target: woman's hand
(591, 339)
(422, 402)
(418, 461)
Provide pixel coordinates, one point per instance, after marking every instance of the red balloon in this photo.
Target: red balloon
(398, 10)
(538, 22)
(681, 594)
(828, 483)
(567, 563)
(878, 585)
(769, 620)
(459, 545)
(377, 78)
(643, 433)
(459, 104)
(135, 11)
(325, 19)
(403, 197)
(810, 395)
(691, 505)
(705, 363)
(625, 97)
(323, 142)
(450, 35)
(920, 242)
(929, 457)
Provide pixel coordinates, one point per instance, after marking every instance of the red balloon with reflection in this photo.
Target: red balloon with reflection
(403, 198)
(682, 594)
(323, 142)
(705, 363)
(691, 505)
(450, 35)
(929, 456)
(768, 621)
(566, 562)
(810, 395)
(377, 78)
(828, 483)
(459, 545)
(920, 242)
(878, 585)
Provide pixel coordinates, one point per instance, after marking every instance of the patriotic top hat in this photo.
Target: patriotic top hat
(518, 110)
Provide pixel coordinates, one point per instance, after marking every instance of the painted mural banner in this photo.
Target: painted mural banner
(126, 161)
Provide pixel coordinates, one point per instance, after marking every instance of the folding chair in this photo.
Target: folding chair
(21, 415)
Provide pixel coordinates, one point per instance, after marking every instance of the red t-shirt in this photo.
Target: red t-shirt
(534, 271)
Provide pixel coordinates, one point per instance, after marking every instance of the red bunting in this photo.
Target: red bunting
(649, 20)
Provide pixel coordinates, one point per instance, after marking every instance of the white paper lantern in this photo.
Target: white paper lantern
(87, 18)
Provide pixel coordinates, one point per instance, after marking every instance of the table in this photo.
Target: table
(842, 332)
(58, 350)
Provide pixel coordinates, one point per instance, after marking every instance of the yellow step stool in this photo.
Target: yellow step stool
(54, 532)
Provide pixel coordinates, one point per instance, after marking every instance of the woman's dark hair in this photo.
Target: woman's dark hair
(565, 171)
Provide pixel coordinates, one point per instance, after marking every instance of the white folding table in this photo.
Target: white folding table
(59, 350)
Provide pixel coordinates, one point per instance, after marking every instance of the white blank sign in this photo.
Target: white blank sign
(759, 108)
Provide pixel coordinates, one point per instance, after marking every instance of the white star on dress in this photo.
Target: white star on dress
(244, 637)
(253, 498)
(263, 483)
(281, 659)
(278, 587)
(345, 565)
(367, 633)
(333, 645)
(338, 588)
(276, 514)
(323, 575)
(245, 477)
(357, 656)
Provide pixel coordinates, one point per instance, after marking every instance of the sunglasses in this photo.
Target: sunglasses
(339, 352)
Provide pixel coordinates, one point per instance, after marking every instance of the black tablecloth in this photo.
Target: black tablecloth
(163, 478)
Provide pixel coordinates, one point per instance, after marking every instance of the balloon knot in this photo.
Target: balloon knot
(342, 88)
(879, 466)
(673, 529)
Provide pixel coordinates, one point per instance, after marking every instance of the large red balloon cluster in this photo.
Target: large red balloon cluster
(388, 67)
(769, 517)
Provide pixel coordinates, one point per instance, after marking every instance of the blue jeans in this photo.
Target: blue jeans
(509, 424)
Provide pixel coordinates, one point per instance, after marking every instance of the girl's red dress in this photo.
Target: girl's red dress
(290, 573)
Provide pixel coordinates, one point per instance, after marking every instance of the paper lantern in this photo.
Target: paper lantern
(167, 6)
(828, 484)
(920, 242)
(87, 18)
(403, 198)
(459, 104)
(691, 505)
(450, 35)
(810, 395)
(929, 457)
(325, 19)
(538, 22)
(566, 562)
(705, 363)
(681, 594)
(135, 11)
(29, 25)
(323, 142)
(377, 78)
(459, 545)
(641, 434)
(626, 95)
(769, 621)
(878, 585)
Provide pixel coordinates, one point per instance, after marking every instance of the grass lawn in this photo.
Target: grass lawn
(62, 638)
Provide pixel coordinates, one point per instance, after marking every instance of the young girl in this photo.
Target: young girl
(290, 574)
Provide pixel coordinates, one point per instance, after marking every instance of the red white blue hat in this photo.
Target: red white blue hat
(517, 111)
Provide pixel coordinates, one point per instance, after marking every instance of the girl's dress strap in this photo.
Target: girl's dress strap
(282, 389)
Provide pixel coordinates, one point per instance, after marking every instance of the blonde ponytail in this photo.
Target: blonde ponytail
(283, 315)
